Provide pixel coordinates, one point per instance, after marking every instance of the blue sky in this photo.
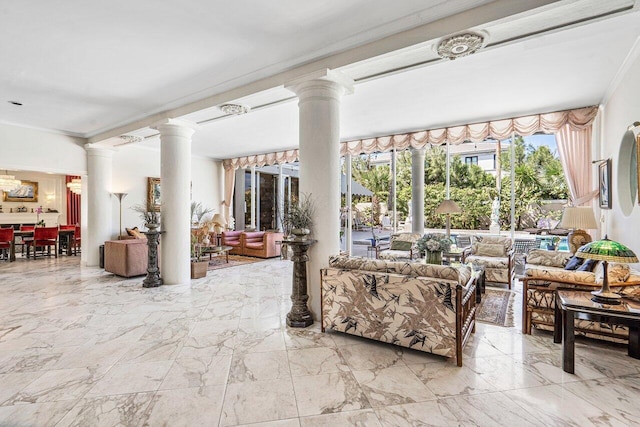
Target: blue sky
(538, 140)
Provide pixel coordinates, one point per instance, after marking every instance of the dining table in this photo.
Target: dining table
(64, 236)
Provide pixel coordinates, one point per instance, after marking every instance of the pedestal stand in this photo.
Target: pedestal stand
(153, 278)
(299, 316)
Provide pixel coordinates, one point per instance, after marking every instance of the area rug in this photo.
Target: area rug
(219, 261)
(496, 307)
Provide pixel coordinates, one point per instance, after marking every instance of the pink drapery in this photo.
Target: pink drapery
(574, 147)
(498, 129)
(229, 184)
(73, 203)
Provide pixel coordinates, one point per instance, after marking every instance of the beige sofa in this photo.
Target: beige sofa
(545, 273)
(495, 254)
(425, 307)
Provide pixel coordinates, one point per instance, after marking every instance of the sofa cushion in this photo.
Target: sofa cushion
(588, 265)
(401, 245)
(560, 274)
(616, 272)
(504, 241)
(488, 262)
(254, 245)
(573, 263)
(490, 249)
(134, 232)
(548, 258)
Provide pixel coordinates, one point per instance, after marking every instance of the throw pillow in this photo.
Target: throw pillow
(587, 265)
(401, 245)
(136, 233)
(490, 250)
(617, 273)
(574, 263)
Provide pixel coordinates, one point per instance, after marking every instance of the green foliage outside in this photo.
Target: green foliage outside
(538, 176)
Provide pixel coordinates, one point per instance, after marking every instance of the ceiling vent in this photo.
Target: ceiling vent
(460, 45)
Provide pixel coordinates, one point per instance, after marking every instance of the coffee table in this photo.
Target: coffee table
(217, 250)
(578, 304)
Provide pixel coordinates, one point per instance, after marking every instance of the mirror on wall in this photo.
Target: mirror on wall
(628, 179)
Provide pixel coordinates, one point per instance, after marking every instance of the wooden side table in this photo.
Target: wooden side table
(571, 305)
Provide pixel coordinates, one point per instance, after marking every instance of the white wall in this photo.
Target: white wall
(52, 193)
(622, 109)
(133, 165)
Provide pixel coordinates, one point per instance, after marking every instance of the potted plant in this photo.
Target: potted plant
(200, 229)
(432, 245)
(151, 219)
(298, 220)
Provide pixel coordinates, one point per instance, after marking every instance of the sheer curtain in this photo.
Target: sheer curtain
(229, 184)
(574, 147)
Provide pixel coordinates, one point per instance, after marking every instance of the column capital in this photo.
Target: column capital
(418, 151)
(98, 149)
(322, 80)
(176, 127)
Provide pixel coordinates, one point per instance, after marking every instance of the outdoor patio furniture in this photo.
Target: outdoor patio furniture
(463, 241)
(401, 246)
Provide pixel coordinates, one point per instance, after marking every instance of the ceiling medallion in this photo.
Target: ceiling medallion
(460, 45)
(234, 109)
(131, 139)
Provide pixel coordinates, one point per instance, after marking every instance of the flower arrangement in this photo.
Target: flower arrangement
(149, 217)
(299, 215)
(433, 242)
(40, 222)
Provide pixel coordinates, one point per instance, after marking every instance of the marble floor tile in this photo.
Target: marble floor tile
(13, 383)
(371, 355)
(547, 368)
(258, 401)
(362, 418)
(291, 422)
(191, 407)
(504, 372)
(152, 351)
(273, 365)
(344, 394)
(489, 409)
(192, 372)
(554, 405)
(392, 386)
(35, 414)
(429, 413)
(122, 410)
(451, 380)
(131, 378)
(316, 361)
(296, 338)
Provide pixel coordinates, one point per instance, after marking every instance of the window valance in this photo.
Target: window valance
(577, 119)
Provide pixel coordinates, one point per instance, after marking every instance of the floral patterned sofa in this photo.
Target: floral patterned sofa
(426, 307)
(545, 273)
(495, 254)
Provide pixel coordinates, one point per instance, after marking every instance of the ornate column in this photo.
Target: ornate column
(299, 316)
(319, 97)
(417, 190)
(153, 279)
(98, 196)
(175, 181)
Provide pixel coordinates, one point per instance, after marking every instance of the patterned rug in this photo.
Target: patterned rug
(218, 262)
(496, 307)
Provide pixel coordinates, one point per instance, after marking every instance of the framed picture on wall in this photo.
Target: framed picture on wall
(153, 194)
(27, 191)
(604, 179)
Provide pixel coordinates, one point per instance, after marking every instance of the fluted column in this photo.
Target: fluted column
(98, 196)
(319, 97)
(175, 181)
(417, 190)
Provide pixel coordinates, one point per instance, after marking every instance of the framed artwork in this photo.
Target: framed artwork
(26, 192)
(604, 178)
(153, 194)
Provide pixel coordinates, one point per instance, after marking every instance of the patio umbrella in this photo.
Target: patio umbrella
(357, 189)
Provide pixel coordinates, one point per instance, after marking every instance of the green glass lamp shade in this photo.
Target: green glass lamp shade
(607, 250)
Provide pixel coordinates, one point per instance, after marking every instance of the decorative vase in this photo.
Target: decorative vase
(152, 226)
(433, 257)
(300, 233)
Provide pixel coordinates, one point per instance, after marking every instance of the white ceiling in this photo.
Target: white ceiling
(86, 68)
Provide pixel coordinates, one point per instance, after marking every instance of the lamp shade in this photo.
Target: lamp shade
(218, 219)
(448, 207)
(579, 217)
(607, 250)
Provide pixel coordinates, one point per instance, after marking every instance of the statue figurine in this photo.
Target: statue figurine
(495, 217)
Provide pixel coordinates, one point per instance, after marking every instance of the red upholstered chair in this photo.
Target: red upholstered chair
(44, 237)
(232, 238)
(6, 241)
(25, 240)
(76, 243)
(66, 239)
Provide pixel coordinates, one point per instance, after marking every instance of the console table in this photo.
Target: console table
(578, 304)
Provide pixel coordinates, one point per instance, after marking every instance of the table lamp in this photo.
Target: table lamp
(448, 207)
(606, 250)
(578, 219)
(218, 222)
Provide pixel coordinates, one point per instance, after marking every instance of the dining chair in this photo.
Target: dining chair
(6, 241)
(76, 242)
(65, 240)
(44, 236)
(24, 240)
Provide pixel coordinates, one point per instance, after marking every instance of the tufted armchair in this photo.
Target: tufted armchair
(232, 238)
(402, 246)
(495, 254)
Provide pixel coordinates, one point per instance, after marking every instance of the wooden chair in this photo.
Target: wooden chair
(76, 242)
(6, 241)
(44, 236)
(65, 240)
(24, 241)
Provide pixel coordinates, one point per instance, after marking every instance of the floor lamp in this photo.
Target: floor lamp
(120, 196)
